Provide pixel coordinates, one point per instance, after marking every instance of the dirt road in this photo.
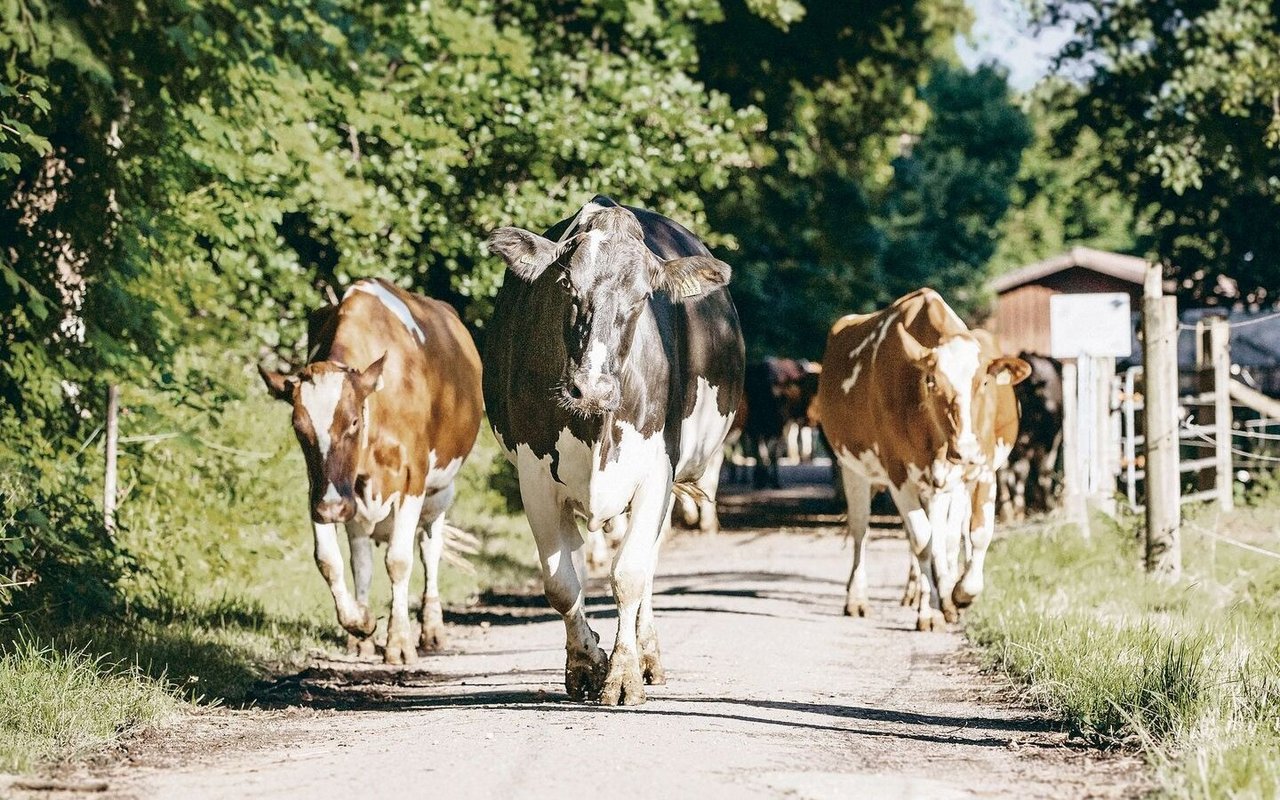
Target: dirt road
(771, 693)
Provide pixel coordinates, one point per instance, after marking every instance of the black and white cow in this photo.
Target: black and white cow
(613, 368)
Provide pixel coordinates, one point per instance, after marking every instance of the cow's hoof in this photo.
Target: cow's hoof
(961, 598)
(856, 608)
(362, 626)
(951, 614)
(401, 649)
(433, 636)
(625, 685)
(929, 622)
(651, 664)
(911, 597)
(584, 678)
(361, 646)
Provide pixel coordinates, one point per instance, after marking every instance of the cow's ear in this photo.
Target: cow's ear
(279, 385)
(692, 276)
(1009, 371)
(920, 356)
(370, 380)
(527, 254)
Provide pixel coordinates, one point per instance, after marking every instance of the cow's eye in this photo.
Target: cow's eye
(354, 426)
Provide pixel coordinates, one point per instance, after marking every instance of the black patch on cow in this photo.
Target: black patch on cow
(671, 345)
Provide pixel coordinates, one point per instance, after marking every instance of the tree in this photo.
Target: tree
(1059, 201)
(839, 88)
(183, 181)
(952, 188)
(1183, 95)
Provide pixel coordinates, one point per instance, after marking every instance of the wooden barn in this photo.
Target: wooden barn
(1021, 314)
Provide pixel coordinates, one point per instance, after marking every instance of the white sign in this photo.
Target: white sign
(1090, 325)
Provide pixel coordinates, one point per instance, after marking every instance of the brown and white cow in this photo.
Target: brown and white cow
(386, 410)
(995, 423)
(896, 399)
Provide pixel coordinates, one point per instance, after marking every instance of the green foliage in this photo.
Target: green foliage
(833, 216)
(1187, 673)
(1183, 94)
(950, 191)
(1059, 201)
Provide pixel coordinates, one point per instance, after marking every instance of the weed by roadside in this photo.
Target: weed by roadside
(1189, 673)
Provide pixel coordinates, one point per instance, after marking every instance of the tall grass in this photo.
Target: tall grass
(1189, 673)
(56, 703)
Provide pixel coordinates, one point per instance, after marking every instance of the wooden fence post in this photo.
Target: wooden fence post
(1073, 472)
(1163, 483)
(1219, 347)
(109, 480)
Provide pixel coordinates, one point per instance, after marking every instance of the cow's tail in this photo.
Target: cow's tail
(690, 491)
(458, 545)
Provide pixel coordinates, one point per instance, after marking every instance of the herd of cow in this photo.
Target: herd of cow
(613, 373)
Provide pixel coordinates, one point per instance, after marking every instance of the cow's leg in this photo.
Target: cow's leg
(646, 634)
(911, 595)
(632, 568)
(1022, 475)
(352, 616)
(947, 514)
(556, 533)
(775, 456)
(709, 485)
(857, 495)
(597, 549)
(430, 548)
(402, 648)
(360, 542)
(919, 535)
(982, 528)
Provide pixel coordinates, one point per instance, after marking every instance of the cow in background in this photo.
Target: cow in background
(778, 393)
(613, 369)
(896, 399)
(386, 410)
(1029, 481)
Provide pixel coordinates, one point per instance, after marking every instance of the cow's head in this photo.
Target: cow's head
(950, 375)
(328, 400)
(608, 275)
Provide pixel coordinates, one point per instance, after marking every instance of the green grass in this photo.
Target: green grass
(1189, 673)
(223, 593)
(57, 703)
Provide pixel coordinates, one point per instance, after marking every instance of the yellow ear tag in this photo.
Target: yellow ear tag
(689, 286)
(1004, 378)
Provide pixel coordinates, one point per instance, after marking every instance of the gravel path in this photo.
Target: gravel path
(770, 693)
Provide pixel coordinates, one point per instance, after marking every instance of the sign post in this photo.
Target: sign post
(1088, 332)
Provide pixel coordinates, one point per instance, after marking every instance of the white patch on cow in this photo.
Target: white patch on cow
(874, 339)
(585, 213)
(599, 493)
(394, 304)
(1003, 449)
(867, 464)
(596, 357)
(702, 433)
(331, 494)
(957, 360)
(438, 477)
(320, 397)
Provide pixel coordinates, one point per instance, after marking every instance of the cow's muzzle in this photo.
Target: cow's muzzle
(596, 393)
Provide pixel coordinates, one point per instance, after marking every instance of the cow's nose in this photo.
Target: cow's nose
(330, 511)
(597, 389)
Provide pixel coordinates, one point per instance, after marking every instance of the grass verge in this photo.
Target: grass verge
(1189, 673)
